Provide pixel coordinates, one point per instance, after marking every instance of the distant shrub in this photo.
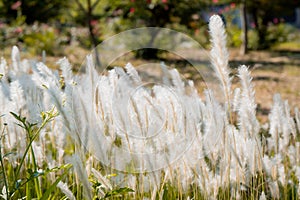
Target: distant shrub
(282, 32)
(234, 36)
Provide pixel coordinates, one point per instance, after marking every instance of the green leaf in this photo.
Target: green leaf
(15, 116)
(10, 153)
(53, 186)
(117, 192)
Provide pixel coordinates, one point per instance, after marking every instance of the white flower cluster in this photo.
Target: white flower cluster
(171, 135)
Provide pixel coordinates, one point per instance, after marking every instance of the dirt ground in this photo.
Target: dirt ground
(273, 72)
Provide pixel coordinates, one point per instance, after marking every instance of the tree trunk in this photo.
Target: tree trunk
(261, 29)
(89, 16)
(149, 52)
(243, 11)
(92, 35)
(297, 10)
(89, 19)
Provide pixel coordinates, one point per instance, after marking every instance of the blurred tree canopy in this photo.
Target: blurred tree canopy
(33, 10)
(106, 15)
(262, 13)
(159, 13)
(183, 15)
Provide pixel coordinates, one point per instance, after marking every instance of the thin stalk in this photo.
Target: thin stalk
(3, 172)
(36, 181)
(2, 166)
(27, 149)
(28, 191)
(46, 119)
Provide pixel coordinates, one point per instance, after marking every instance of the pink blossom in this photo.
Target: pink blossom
(18, 30)
(93, 22)
(16, 5)
(131, 10)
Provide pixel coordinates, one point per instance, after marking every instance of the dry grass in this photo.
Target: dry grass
(272, 71)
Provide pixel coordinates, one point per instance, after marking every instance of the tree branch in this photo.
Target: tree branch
(95, 4)
(80, 5)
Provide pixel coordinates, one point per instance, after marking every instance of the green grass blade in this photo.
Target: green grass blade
(53, 186)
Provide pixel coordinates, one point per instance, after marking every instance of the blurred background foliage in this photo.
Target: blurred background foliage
(48, 25)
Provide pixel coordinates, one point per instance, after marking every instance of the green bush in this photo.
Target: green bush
(253, 40)
(282, 32)
(47, 40)
(234, 36)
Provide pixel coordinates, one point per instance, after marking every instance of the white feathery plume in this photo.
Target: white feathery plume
(66, 68)
(44, 70)
(15, 58)
(65, 189)
(82, 175)
(39, 154)
(103, 98)
(33, 97)
(247, 110)
(112, 78)
(297, 119)
(120, 72)
(4, 96)
(4, 194)
(214, 120)
(252, 151)
(289, 125)
(91, 74)
(44, 56)
(219, 56)
(276, 120)
(166, 74)
(274, 189)
(193, 91)
(177, 81)
(236, 99)
(208, 120)
(262, 196)
(275, 163)
(248, 91)
(282, 125)
(79, 121)
(293, 155)
(44, 77)
(298, 190)
(104, 181)
(17, 96)
(133, 74)
(3, 67)
(281, 175)
(25, 66)
(267, 164)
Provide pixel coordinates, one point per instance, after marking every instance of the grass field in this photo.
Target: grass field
(83, 135)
